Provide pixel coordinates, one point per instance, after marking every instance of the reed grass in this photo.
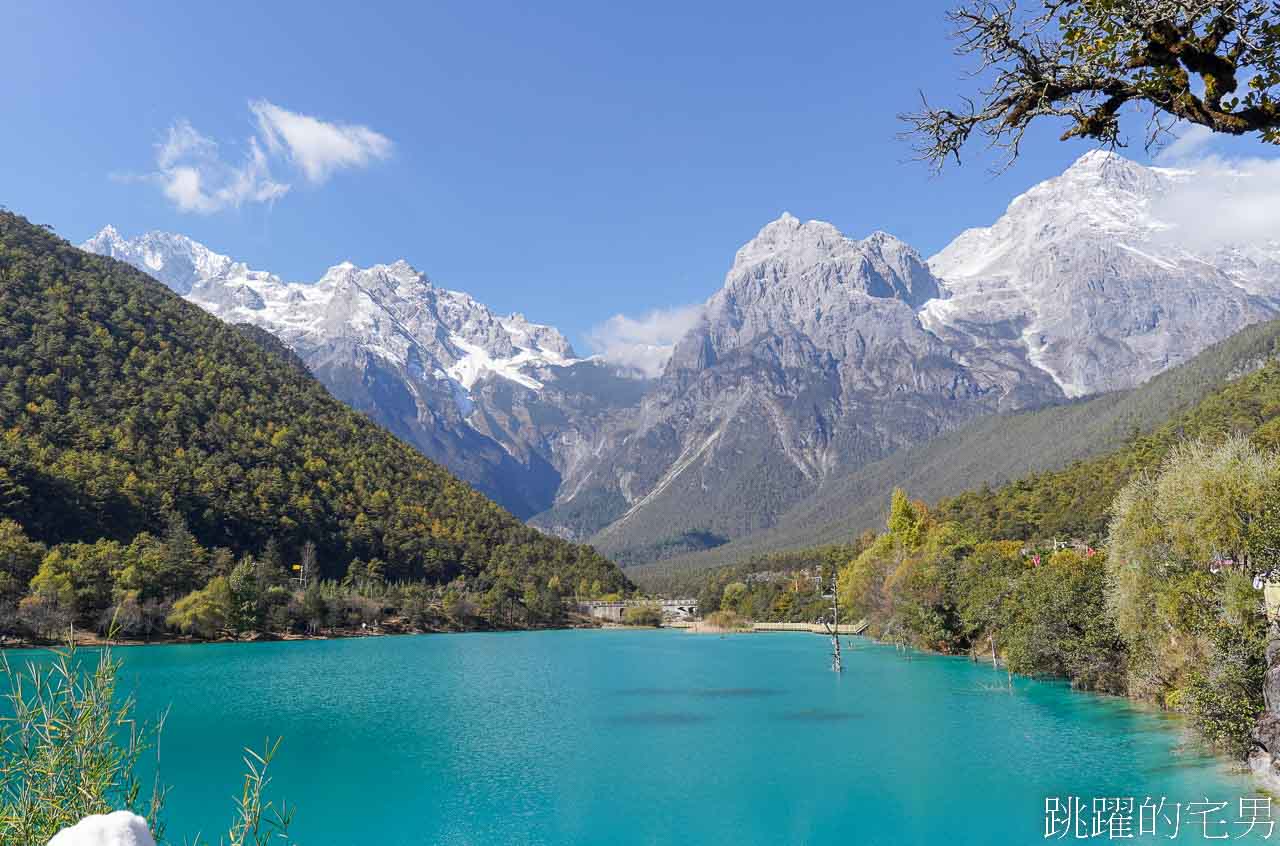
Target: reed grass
(71, 746)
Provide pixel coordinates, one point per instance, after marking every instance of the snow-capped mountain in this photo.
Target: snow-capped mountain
(823, 352)
(391, 310)
(818, 354)
(175, 260)
(811, 359)
(433, 365)
(1095, 285)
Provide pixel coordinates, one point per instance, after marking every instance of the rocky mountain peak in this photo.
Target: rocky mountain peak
(810, 241)
(1082, 270)
(389, 310)
(1106, 165)
(1110, 172)
(813, 263)
(899, 270)
(175, 260)
(106, 238)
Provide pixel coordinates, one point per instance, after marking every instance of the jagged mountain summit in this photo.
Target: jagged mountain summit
(1086, 276)
(390, 309)
(810, 359)
(158, 420)
(819, 354)
(498, 399)
(822, 352)
(175, 260)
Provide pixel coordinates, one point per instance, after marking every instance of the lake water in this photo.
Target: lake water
(638, 737)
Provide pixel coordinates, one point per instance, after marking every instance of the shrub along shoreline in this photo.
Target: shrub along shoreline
(1166, 611)
(386, 628)
(169, 588)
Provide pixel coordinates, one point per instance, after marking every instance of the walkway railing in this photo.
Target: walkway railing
(815, 628)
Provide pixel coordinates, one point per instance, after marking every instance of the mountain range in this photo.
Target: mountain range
(504, 403)
(131, 415)
(819, 355)
(1033, 458)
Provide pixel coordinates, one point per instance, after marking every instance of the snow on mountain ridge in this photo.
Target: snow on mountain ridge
(1100, 289)
(392, 310)
(174, 259)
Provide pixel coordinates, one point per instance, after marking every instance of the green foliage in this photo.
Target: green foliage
(936, 585)
(984, 581)
(20, 558)
(784, 587)
(679, 543)
(142, 437)
(204, 612)
(971, 464)
(69, 749)
(1054, 622)
(644, 615)
(904, 520)
(1076, 501)
(1196, 639)
(727, 620)
(258, 822)
(733, 596)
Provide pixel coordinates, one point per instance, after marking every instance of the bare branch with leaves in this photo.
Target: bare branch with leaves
(1207, 62)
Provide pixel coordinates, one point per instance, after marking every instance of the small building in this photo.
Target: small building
(616, 611)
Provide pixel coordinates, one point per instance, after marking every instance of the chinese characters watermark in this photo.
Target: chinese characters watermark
(1130, 818)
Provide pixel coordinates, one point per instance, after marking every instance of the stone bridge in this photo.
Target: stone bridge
(614, 612)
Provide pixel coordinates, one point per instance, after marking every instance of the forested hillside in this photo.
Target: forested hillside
(1000, 448)
(133, 420)
(1074, 501)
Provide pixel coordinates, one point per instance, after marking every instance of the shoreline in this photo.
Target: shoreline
(94, 640)
(1192, 743)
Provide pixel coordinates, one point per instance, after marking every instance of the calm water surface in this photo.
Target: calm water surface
(632, 737)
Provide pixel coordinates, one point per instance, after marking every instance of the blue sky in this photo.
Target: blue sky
(572, 161)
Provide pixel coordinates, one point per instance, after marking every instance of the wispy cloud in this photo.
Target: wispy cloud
(194, 175)
(1191, 140)
(317, 147)
(644, 343)
(1227, 202)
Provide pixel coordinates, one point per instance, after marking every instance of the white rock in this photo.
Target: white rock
(116, 829)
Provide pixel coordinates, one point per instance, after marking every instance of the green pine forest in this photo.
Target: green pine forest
(172, 473)
(164, 473)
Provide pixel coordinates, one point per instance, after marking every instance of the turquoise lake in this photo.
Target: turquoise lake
(637, 737)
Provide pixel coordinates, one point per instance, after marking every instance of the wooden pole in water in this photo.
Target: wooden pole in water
(837, 662)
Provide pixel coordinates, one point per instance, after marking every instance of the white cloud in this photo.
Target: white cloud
(644, 343)
(317, 147)
(194, 176)
(1191, 141)
(1228, 201)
